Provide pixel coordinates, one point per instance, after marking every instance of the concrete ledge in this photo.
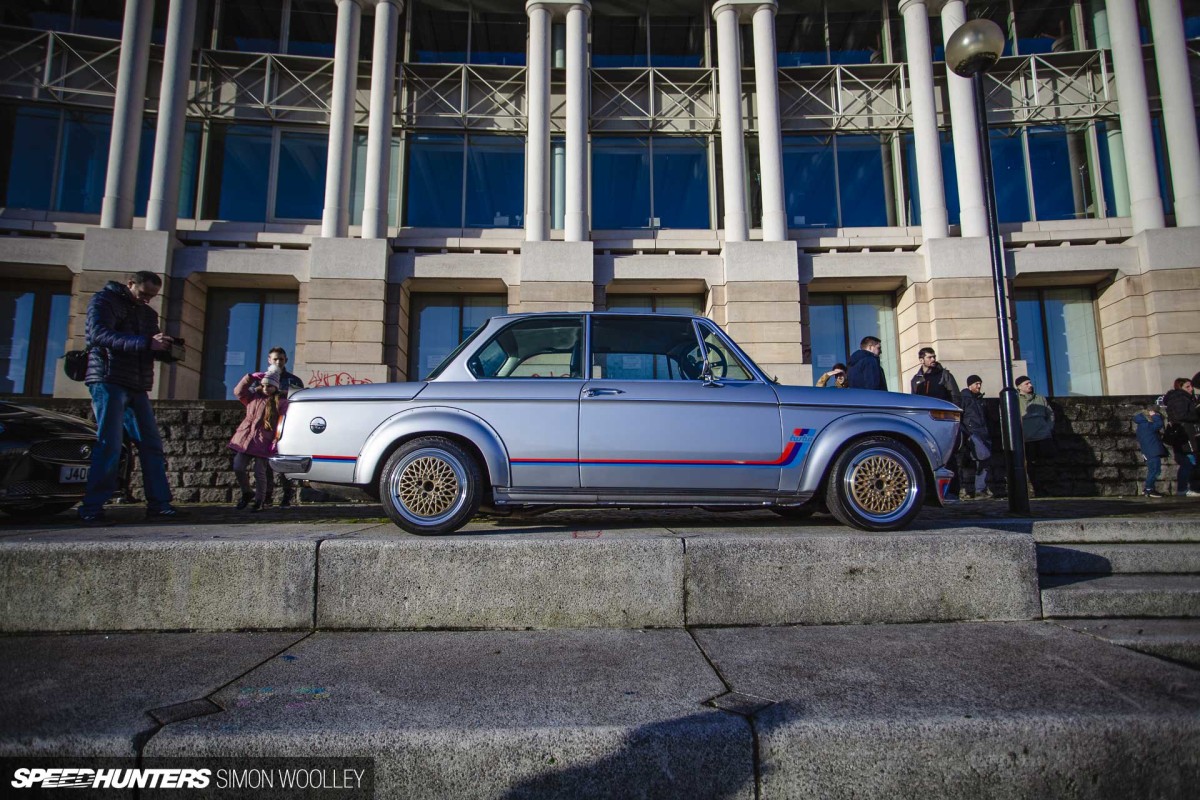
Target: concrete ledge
(1102, 559)
(953, 711)
(1173, 639)
(156, 585)
(90, 695)
(1122, 596)
(744, 578)
(491, 714)
(501, 581)
(1117, 530)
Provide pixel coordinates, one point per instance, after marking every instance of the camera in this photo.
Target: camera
(177, 350)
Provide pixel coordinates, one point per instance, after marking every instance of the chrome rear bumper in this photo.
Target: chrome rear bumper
(290, 465)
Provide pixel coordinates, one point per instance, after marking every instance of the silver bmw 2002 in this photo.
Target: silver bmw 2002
(598, 409)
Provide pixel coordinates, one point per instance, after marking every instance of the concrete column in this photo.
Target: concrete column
(162, 209)
(576, 184)
(335, 221)
(733, 152)
(1179, 110)
(1145, 203)
(924, 113)
(770, 138)
(537, 141)
(379, 129)
(116, 210)
(1114, 141)
(969, 170)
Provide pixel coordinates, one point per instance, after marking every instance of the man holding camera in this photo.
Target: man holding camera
(123, 343)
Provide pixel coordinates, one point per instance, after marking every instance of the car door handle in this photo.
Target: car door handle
(602, 392)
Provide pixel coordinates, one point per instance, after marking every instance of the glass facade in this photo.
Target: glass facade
(241, 326)
(668, 33)
(440, 322)
(465, 181)
(838, 181)
(33, 336)
(685, 304)
(838, 322)
(650, 182)
(1056, 336)
(461, 32)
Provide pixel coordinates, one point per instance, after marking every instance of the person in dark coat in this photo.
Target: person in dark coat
(934, 380)
(123, 342)
(865, 370)
(1182, 411)
(978, 450)
(1149, 435)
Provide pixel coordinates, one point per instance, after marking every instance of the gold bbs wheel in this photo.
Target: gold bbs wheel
(876, 484)
(431, 485)
(879, 485)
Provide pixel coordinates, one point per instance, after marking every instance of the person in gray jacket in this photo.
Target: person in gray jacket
(1037, 427)
(123, 343)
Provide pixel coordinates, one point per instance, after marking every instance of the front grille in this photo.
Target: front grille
(20, 489)
(63, 451)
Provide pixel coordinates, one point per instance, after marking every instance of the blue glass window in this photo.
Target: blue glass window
(1056, 334)
(83, 162)
(679, 304)
(28, 139)
(800, 37)
(251, 26)
(1044, 27)
(855, 32)
(495, 182)
(300, 185)
(242, 326)
(677, 41)
(434, 195)
(1191, 19)
(312, 29)
(860, 181)
(838, 322)
(1056, 181)
(439, 35)
(620, 183)
(498, 38)
(56, 338)
(188, 164)
(238, 173)
(680, 182)
(619, 41)
(358, 180)
(441, 321)
(1160, 160)
(16, 309)
(1008, 165)
(809, 182)
(1104, 144)
(44, 15)
(33, 335)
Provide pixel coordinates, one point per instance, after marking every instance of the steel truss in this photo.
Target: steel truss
(466, 96)
(267, 86)
(655, 100)
(859, 97)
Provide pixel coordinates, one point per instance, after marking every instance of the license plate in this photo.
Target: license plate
(72, 474)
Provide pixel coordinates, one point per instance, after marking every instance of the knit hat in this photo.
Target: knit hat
(1020, 379)
(973, 379)
(273, 376)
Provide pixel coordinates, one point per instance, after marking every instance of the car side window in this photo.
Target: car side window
(725, 365)
(542, 347)
(645, 349)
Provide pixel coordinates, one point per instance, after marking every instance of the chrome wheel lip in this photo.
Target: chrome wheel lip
(910, 494)
(452, 463)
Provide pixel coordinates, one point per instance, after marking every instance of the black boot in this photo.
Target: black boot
(245, 500)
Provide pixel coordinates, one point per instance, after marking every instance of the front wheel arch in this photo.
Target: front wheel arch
(905, 462)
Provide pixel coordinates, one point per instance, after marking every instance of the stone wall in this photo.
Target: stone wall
(1097, 450)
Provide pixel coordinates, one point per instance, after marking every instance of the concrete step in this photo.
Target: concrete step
(1121, 596)
(868, 711)
(282, 576)
(1103, 559)
(1174, 639)
(1117, 529)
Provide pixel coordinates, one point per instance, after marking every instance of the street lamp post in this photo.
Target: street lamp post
(970, 52)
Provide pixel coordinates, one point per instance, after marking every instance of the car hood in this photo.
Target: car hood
(859, 398)
(30, 421)
(363, 391)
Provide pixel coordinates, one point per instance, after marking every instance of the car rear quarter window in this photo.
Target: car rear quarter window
(542, 347)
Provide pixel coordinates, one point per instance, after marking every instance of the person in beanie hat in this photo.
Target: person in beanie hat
(1037, 427)
(254, 440)
(978, 452)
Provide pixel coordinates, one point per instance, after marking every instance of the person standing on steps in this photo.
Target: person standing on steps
(865, 370)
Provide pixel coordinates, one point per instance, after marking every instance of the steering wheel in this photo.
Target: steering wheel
(717, 362)
(691, 364)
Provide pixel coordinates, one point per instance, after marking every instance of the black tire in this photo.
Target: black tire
(876, 484)
(795, 513)
(430, 486)
(38, 509)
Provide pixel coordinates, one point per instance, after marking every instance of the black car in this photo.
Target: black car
(44, 460)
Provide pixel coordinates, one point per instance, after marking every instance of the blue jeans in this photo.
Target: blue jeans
(110, 402)
(1187, 463)
(1153, 470)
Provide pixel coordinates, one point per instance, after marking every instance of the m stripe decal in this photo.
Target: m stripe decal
(793, 452)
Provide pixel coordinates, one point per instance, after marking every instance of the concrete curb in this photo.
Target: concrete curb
(1106, 529)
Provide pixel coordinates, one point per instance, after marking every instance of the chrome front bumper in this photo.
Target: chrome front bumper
(290, 465)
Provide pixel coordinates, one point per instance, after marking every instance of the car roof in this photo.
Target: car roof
(523, 314)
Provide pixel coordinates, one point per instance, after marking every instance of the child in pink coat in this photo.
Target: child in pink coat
(254, 440)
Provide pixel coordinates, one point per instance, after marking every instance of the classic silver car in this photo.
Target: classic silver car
(616, 410)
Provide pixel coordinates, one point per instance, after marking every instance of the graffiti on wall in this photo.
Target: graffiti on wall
(322, 378)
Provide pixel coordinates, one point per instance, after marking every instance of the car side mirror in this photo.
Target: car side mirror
(706, 374)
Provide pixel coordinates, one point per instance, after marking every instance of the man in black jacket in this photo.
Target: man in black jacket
(123, 342)
(865, 370)
(934, 380)
(978, 450)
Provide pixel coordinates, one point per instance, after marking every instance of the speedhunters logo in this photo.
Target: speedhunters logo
(225, 777)
(84, 778)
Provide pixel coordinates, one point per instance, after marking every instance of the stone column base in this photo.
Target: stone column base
(342, 313)
(759, 306)
(555, 276)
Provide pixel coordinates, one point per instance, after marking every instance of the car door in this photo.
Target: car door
(647, 419)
